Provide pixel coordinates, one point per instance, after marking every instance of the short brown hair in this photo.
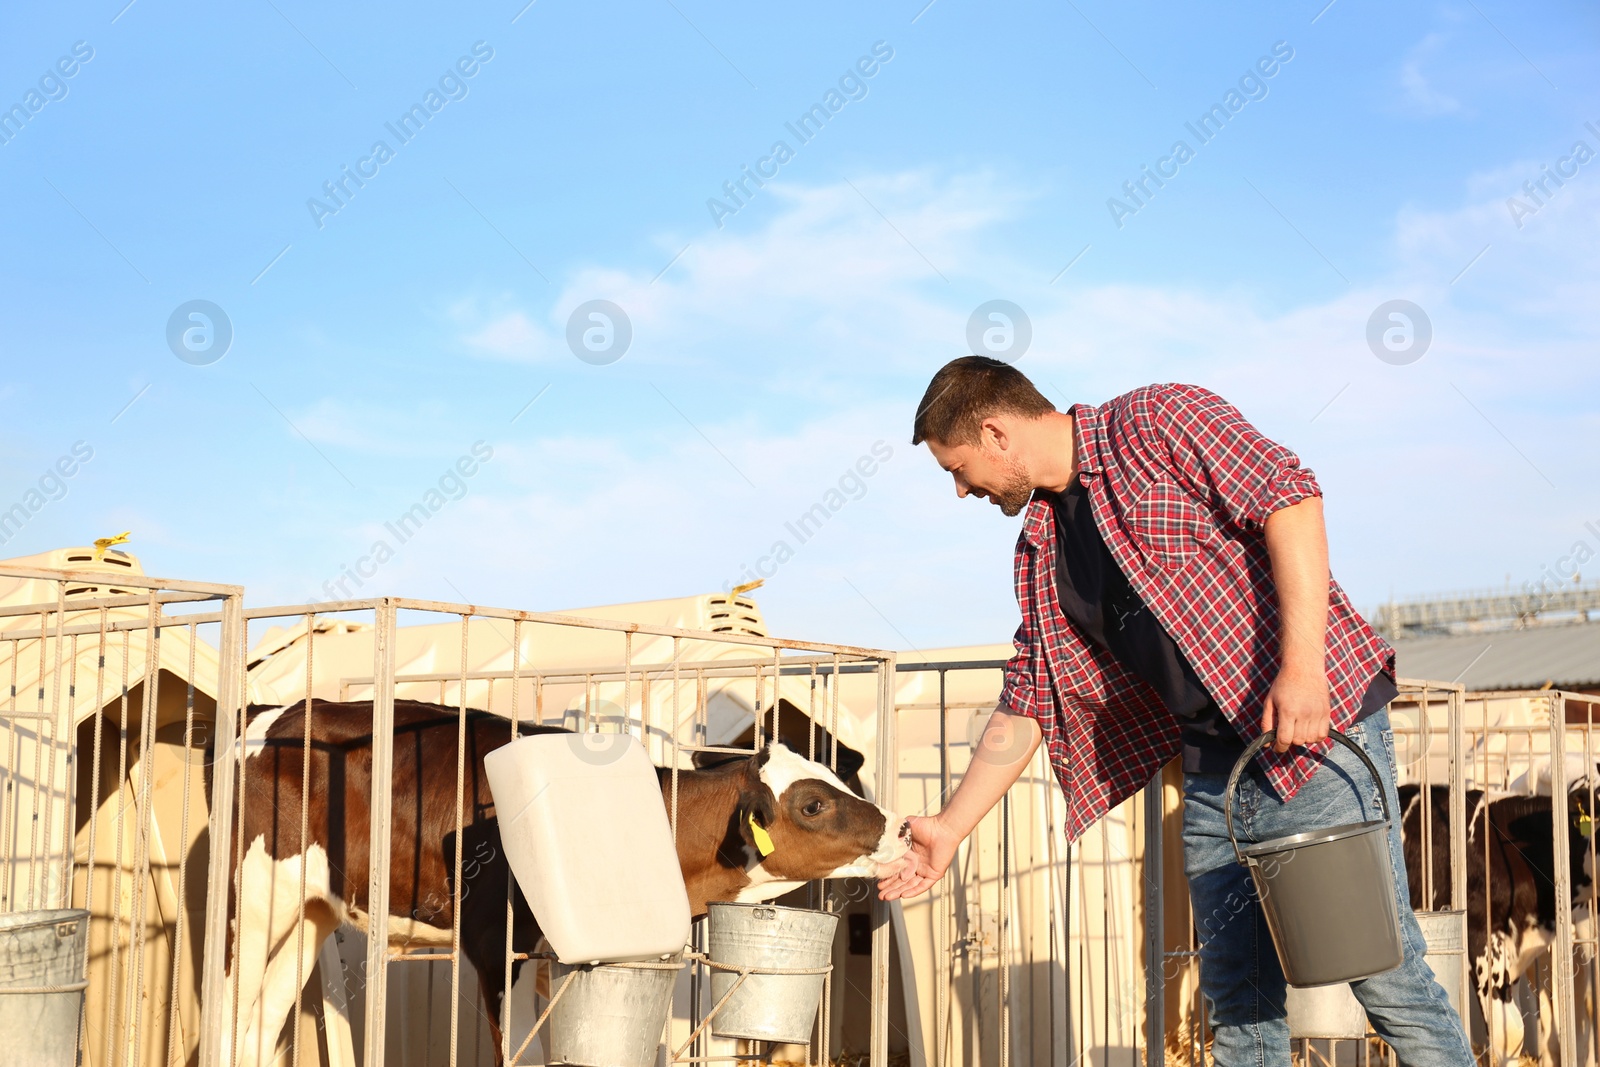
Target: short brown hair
(968, 390)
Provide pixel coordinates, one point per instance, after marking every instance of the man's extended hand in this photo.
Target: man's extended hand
(933, 846)
(1298, 708)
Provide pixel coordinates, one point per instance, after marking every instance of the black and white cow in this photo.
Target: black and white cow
(1511, 892)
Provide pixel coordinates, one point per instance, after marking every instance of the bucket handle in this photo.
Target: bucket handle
(1262, 742)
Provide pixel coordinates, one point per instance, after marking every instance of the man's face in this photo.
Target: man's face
(987, 470)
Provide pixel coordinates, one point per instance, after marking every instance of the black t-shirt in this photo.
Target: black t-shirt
(1097, 598)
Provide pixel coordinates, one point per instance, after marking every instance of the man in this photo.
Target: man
(1172, 573)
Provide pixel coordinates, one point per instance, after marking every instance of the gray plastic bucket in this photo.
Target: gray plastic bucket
(612, 1014)
(769, 1007)
(43, 960)
(1328, 895)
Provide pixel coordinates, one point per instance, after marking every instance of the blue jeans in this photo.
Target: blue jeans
(1240, 976)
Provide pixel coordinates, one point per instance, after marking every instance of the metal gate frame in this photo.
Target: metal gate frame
(1558, 735)
(947, 892)
(62, 621)
(62, 625)
(385, 612)
(1468, 761)
(1451, 734)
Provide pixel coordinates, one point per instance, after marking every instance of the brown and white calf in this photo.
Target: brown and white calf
(817, 828)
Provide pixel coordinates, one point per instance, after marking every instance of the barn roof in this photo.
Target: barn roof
(1564, 657)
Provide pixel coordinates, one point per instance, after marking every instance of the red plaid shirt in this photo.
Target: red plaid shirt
(1180, 486)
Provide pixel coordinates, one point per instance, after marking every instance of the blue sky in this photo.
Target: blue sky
(374, 346)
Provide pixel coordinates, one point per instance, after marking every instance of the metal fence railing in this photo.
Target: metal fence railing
(140, 783)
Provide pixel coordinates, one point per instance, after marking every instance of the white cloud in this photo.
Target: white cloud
(828, 278)
(426, 429)
(1435, 471)
(512, 336)
(1420, 95)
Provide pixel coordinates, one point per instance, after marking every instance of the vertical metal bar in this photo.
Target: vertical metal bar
(1485, 836)
(180, 921)
(757, 713)
(1459, 837)
(1593, 960)
(61, 744)
(830, 696)
(214, 1007)
(305, 818)
(677, 687)
(505, 998)
(1560, 818)
(94, 760)
(1155, 989)
(833, 711)
(461, 790)
(1591, 955)
(8, 847)
(777, 694)
(811, 717)
(378, 858)
(887, 788)
(241, 790)
(143, 887)
(702, 720)
(627, 693)
(944, 917)
(113, 996)
(1426, 823)
(36, 791)
(94, 807)
(1458, 805)
(587, 723)
(70, 816)
(1107, 981)
(1004, 931)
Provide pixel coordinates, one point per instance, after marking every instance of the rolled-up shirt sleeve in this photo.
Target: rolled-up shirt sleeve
(1018, 694)
(1225, 459)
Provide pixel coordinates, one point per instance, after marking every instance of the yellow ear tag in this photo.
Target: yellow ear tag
(762, 838)
(1585, 826)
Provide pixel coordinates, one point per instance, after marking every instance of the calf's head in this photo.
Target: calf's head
(800, 821)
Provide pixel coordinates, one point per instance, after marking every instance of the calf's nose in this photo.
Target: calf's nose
(896, 839)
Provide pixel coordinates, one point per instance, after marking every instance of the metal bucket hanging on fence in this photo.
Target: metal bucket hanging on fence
(609, 1014)
(43, 960)
(766, 937)
(1328, 895)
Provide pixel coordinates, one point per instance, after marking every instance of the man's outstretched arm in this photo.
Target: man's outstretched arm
(1297, 704)
(1009, 742)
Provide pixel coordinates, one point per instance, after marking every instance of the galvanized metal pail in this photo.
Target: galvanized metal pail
(768, 1007)
(1328, 895)
(43, 960)
(612, 1014)
(1332, 1011)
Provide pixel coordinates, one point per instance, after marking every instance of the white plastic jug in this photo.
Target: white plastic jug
(587, 837)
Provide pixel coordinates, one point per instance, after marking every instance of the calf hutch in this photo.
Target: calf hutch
(196, 777)
(278, 826)
(103, 755)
